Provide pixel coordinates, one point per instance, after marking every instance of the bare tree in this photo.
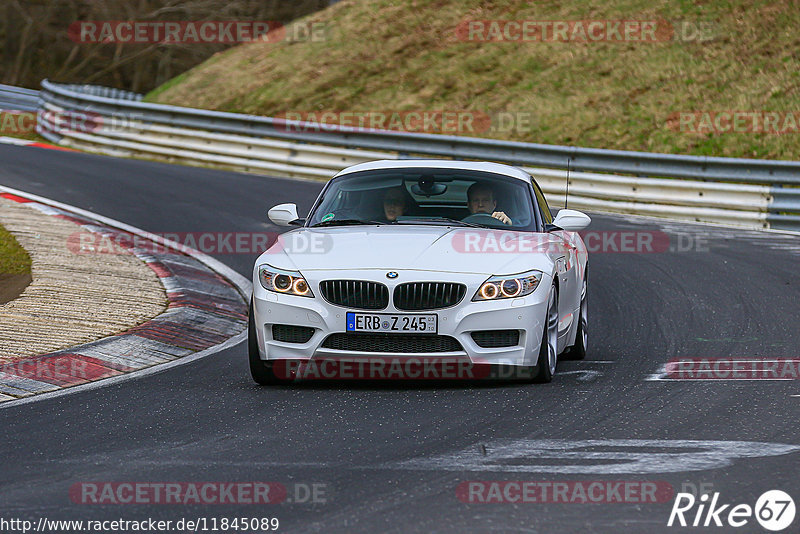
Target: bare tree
(36, 43)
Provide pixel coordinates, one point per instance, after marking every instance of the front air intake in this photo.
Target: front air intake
(392, 343)
(490, 339)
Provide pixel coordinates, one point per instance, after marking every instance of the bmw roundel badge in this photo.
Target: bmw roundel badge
(391, 274)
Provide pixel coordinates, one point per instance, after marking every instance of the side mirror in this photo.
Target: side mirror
(571, 220)
(283, 214)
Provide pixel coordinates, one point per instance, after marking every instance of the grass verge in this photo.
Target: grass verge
(13, 258)
(15, 267)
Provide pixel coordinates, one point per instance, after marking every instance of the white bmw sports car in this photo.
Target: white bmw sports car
(421, 260)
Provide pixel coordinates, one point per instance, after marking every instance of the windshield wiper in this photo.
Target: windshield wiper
(440, 219)
(343, 222)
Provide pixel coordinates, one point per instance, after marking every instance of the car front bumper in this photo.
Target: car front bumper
(524, 314)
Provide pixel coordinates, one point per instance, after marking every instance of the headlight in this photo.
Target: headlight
(508, 287)
(280, 281)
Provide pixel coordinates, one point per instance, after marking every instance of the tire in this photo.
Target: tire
(260, 370)
(548, 349)
(578, 350)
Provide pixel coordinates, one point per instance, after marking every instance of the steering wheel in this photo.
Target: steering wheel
(483, 218)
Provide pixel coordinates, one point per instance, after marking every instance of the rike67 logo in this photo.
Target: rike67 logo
(774, 510)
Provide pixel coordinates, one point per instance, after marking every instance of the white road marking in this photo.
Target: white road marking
(598, 456)
(662, 375)
(15, 141)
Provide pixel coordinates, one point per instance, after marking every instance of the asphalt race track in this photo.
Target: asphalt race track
(392, 455)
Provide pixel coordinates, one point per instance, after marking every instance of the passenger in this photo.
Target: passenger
(480, 199)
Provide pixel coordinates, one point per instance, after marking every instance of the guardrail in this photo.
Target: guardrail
(742, 192)
(18, 98)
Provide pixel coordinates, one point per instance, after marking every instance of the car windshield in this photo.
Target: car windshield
(428, 196)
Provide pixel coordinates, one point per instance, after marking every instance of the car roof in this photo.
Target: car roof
(496, 168)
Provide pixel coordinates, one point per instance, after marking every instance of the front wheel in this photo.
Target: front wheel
(260, 370)
(578, 350)
(548, 350)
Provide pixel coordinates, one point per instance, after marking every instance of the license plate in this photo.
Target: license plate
(398, 323)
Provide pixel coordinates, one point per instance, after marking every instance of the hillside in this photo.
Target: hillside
(638, 92)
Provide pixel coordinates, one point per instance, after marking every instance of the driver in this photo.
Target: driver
(480, 199)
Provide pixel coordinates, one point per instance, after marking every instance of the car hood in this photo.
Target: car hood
(398, 247)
